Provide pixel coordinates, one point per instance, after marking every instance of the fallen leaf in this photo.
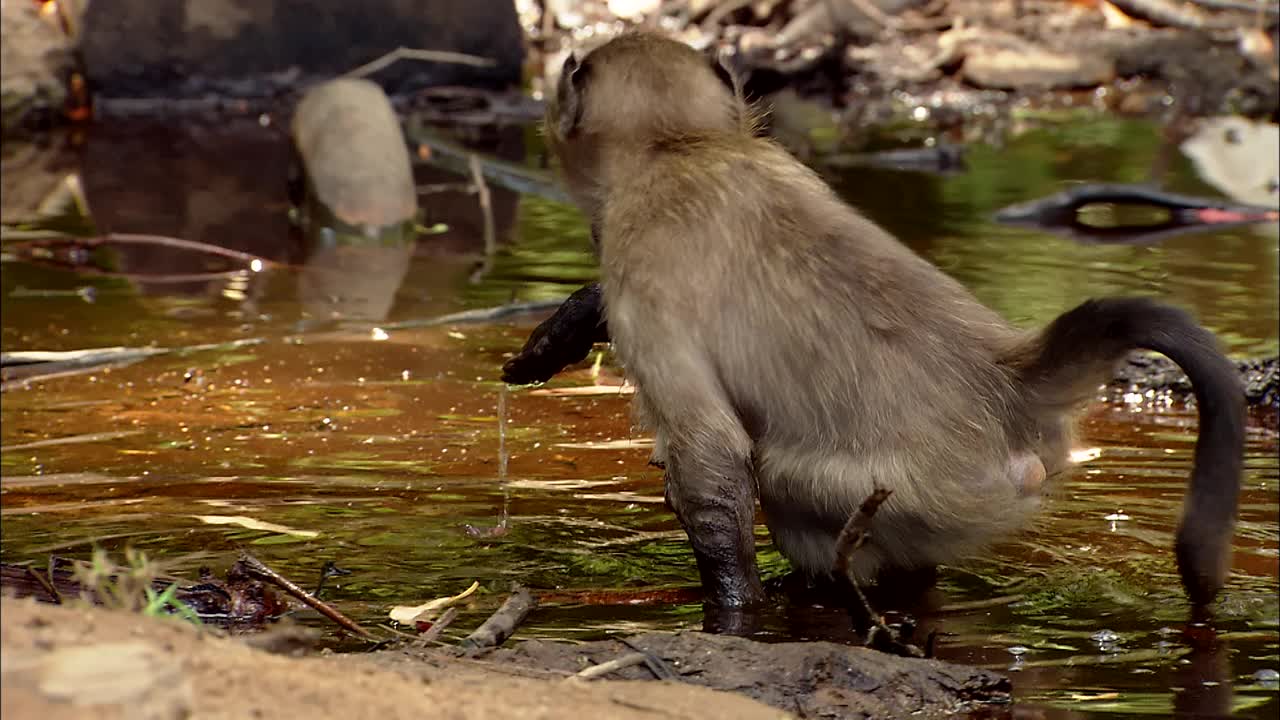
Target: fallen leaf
(405, 614)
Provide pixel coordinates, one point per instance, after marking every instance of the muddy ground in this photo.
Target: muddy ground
(84, 662)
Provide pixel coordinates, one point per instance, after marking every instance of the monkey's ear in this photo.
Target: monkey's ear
(569, 95)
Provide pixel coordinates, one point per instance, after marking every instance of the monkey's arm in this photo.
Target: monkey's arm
(561, 340)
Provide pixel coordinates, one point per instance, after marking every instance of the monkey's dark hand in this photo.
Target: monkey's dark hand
(561, 340)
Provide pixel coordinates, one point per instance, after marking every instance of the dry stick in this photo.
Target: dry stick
(437, 628)
(257, 567)
(179, 243)
(604, 668)
(856, 531)
(660, 669)
(853, 536)
(486, 211)
(500, 625)
(46, 583)
(404, 53)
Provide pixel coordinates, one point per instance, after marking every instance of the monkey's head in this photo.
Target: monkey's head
(632, 92)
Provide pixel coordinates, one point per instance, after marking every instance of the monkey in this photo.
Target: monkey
(786, 348)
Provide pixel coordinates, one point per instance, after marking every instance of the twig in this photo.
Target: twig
(486, 212)
(404, 53)
(660, 669)
(256, 567)
(437, 628)
(856, 531)
(46, 583)
(179, 243)
(853, 536)
(500, 625)
(604, 668)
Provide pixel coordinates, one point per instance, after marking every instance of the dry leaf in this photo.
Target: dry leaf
(405, 614)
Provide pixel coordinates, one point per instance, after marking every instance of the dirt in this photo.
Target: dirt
(87, 662)
(91, 664)
(815, 679)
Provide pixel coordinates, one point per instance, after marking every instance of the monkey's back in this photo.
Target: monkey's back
(837, 346)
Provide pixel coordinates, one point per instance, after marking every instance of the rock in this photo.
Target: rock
(1009, 69)
(257, 48)
(354, 154)
(361, 200)
(34, 58)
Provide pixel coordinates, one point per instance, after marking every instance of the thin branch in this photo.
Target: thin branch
(857, 530)
(853, 536)
(46, 583)
(404, 53)
(486, 211)
(257, 568)
(604, 668)
(164, 241)
(437, 628)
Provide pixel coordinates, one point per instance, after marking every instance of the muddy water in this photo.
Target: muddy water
(375, 449)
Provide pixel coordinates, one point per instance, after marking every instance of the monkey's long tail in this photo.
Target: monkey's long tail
(1077, 352)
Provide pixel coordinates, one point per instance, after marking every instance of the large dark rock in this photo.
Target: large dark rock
(255, 48)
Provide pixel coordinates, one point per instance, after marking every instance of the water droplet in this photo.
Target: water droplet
(1018, 651)
(1267, 676)
(1104, 636)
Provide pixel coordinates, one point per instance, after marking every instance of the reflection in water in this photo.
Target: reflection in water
(388, 448)
(350, 281)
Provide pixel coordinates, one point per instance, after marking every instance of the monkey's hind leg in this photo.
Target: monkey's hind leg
(709, 482)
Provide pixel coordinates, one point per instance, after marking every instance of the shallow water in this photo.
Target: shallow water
(376, 449)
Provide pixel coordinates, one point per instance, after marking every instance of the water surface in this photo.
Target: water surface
(380, 447)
